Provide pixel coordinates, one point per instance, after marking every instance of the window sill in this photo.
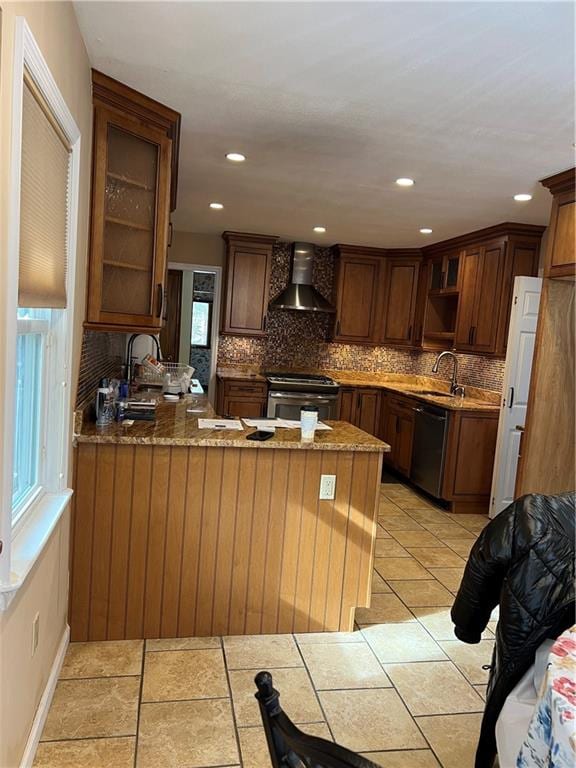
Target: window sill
(33, 532)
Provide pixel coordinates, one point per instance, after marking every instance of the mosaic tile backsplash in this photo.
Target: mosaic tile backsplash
(300, 340)
(102, 356)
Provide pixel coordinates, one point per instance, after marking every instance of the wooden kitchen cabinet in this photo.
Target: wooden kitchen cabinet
(443, 272)
(561, 249)
(397, 429)
(358, 294)
(470, 284)
(401, 277)
(479, 298)
(238, 397)
(246, 283)
(361, 406)
(547, 454)
(469, 460)
(133, 186)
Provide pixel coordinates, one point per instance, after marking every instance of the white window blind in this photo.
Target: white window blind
(45, 181)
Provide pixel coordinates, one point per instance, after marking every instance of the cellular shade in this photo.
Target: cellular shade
(44, 190)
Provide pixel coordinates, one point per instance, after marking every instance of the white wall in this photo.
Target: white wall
(194, 248)
(45, 591)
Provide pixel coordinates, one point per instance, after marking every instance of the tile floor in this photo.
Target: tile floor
(400, 689)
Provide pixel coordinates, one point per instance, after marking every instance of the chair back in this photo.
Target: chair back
(289, 746)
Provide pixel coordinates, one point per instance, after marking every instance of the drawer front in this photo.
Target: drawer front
(401, 405)
(251, 389)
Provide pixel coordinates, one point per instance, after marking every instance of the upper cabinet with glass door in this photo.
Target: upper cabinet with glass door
(133, 188)
(443, 273)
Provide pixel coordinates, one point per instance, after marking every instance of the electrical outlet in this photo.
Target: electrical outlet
(327, 486)
(35, 633)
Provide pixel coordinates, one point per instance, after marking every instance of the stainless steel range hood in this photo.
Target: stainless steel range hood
(300, 293)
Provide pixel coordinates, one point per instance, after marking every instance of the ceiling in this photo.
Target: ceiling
(332, 101)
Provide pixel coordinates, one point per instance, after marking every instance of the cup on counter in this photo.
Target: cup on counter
(308, 422)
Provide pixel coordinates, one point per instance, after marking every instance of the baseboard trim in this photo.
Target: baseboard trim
(45, 701)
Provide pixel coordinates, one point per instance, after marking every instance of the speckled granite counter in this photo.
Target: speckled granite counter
(403, 384)
(175, 426)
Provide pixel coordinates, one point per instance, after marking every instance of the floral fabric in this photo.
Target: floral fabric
(551, 738)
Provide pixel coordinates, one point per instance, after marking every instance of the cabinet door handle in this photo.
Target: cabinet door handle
(159, 299)
(511, 397)
(170, 230)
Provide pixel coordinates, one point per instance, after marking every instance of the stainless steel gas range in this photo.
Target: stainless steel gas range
(288, 392)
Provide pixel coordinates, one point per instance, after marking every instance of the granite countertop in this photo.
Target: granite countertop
(239, 374)
(476, 399)
(174, 426)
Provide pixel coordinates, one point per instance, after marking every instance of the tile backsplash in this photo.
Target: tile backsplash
(102, 356)
(300, 340)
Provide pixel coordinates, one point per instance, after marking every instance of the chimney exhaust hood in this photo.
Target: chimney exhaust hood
(300, 293)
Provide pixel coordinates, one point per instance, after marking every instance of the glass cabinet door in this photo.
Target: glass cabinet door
(451, 272)
(436, 275)
(130, 222)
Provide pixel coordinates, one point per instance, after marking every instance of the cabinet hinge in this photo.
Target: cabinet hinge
(515, 299)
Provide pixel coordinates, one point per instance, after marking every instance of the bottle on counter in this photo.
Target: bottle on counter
(104, 404)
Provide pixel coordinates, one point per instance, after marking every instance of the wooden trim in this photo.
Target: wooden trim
(565, 181)
(481, 235)
(248, 237)
(202, 541)
(358, 250)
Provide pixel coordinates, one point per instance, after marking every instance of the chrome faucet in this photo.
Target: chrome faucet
(129, 352)
(454, 386)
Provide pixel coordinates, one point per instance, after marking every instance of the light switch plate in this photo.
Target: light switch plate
(327, 486)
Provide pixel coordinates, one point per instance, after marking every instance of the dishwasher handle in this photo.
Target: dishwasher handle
(429, 415)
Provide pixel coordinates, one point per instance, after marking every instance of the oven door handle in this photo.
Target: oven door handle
(322, 399)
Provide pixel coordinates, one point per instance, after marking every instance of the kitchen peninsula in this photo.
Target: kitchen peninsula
(180, 532)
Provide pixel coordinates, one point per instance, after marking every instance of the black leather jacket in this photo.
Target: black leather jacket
(524, 561)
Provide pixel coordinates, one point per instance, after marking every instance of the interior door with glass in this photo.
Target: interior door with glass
(129, 222)
(521, 338)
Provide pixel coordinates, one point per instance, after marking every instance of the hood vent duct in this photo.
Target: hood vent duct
(300, 293)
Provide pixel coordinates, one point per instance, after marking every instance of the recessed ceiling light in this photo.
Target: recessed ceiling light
(405, 182)
(426, 231)
(216, 206)
(319, 229)
(522, 198)
(235, 157)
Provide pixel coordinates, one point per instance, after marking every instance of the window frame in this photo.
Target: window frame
(24, 540)
(208, 344)
(24, 327)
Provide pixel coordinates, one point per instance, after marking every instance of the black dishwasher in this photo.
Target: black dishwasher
(429, 449)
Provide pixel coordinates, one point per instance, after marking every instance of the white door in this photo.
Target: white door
(519, 355)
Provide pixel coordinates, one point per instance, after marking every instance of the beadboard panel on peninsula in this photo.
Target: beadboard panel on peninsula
(171, 541)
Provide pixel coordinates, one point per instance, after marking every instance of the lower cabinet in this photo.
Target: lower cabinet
(397, 429)
(246, 399)
(361, 406)
(469, 457)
